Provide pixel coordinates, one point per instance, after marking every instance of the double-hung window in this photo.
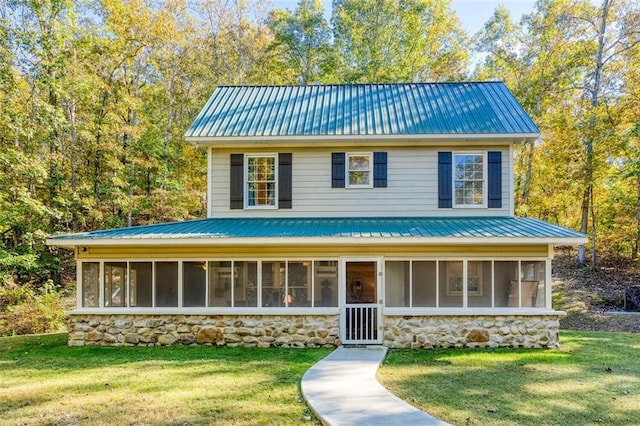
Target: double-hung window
(261, 181)
(469, 180)
(359, 170)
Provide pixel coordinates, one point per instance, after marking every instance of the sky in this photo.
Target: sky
(472, 13)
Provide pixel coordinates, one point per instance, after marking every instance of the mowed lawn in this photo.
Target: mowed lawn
(44, 382)
(594, 378)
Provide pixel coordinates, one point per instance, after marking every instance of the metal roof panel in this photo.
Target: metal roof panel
(362, 110)
(379, 227)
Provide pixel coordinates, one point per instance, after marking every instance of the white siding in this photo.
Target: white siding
(412, 186)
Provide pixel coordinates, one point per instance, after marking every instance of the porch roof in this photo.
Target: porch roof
(356, 230)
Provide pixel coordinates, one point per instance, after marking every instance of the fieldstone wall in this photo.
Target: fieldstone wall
(471, 331)
(230, 330)
(311, 330)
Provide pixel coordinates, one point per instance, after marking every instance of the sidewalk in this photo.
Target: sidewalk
(342, 390)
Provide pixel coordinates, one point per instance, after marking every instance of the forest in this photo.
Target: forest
(95, 97)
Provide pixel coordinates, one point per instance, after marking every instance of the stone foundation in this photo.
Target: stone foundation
(229, 330)
(264, 331)
(471, 331)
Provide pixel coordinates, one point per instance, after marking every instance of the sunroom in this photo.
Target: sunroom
(262, 285)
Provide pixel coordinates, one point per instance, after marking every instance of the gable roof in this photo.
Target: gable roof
(445, 109)
(359, 230)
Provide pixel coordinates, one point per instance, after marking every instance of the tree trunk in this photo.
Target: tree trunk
(587, 200)
(529, 147)
(636, 246)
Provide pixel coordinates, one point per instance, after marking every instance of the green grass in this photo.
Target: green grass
(43, 382)
(593, 379)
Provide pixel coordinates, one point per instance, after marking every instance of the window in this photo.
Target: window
(220, 283)
(273, 284)
(532, 284)
(115, 276)
(298, 284)
(468, 179)
(245, 284)
(423, 289)
(398, 281)
(326, 283)
(140, 284)
(166, 284)
(359, 171)
(261, 181)
(194, 283)
(451, 282)
(90, 284)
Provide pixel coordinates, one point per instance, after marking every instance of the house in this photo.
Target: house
(339, 214)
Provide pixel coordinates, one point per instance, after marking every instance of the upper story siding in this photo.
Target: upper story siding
(412, 184)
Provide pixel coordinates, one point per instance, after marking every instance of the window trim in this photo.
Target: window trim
(246, 181)
(484, 180)
(347, 185)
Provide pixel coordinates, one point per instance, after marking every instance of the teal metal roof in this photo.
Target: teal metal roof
(252, 230)
(362, 110)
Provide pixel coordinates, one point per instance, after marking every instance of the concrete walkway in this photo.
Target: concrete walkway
(342, 390)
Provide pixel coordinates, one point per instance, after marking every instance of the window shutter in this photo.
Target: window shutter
(445, 176)
(337, 169)
(236, 200)
(379, 169)
(494, 176)
(284, 180)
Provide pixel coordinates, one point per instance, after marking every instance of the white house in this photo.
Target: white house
(340, 214)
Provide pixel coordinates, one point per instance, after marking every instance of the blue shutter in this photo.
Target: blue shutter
(445, 176)
(494, 176)
(379, 169)
(236, 200)
(337, 169)
(284, 181)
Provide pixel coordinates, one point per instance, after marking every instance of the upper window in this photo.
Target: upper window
(261, 180)
(359, 171)
(469, 179)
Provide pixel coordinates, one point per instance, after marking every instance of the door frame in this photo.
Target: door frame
(379, 301)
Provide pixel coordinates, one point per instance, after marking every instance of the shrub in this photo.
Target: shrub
(26, 310)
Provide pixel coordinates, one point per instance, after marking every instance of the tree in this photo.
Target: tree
(399, 40)
(302, 40)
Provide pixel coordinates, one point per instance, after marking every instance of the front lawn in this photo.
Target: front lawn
(43, 382)
(593, 379)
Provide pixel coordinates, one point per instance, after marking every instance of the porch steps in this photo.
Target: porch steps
(342, 390)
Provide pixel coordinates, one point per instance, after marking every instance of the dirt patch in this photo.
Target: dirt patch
(587, 295)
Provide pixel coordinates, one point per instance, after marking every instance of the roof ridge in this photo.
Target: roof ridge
(366, 84)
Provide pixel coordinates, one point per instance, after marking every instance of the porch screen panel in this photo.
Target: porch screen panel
(533, 276)
(140, 284)
(396, 284)
(299, 284)
(90, 284)
(479, 284)
(115, 281)
(194, 276)
(273, 283)
(245, 287)
(505, 283)
(326, 283)
(220, 283)
(424, 283)
(166, 284)
(451, 283)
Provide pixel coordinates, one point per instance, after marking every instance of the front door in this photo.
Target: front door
(361, 319)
